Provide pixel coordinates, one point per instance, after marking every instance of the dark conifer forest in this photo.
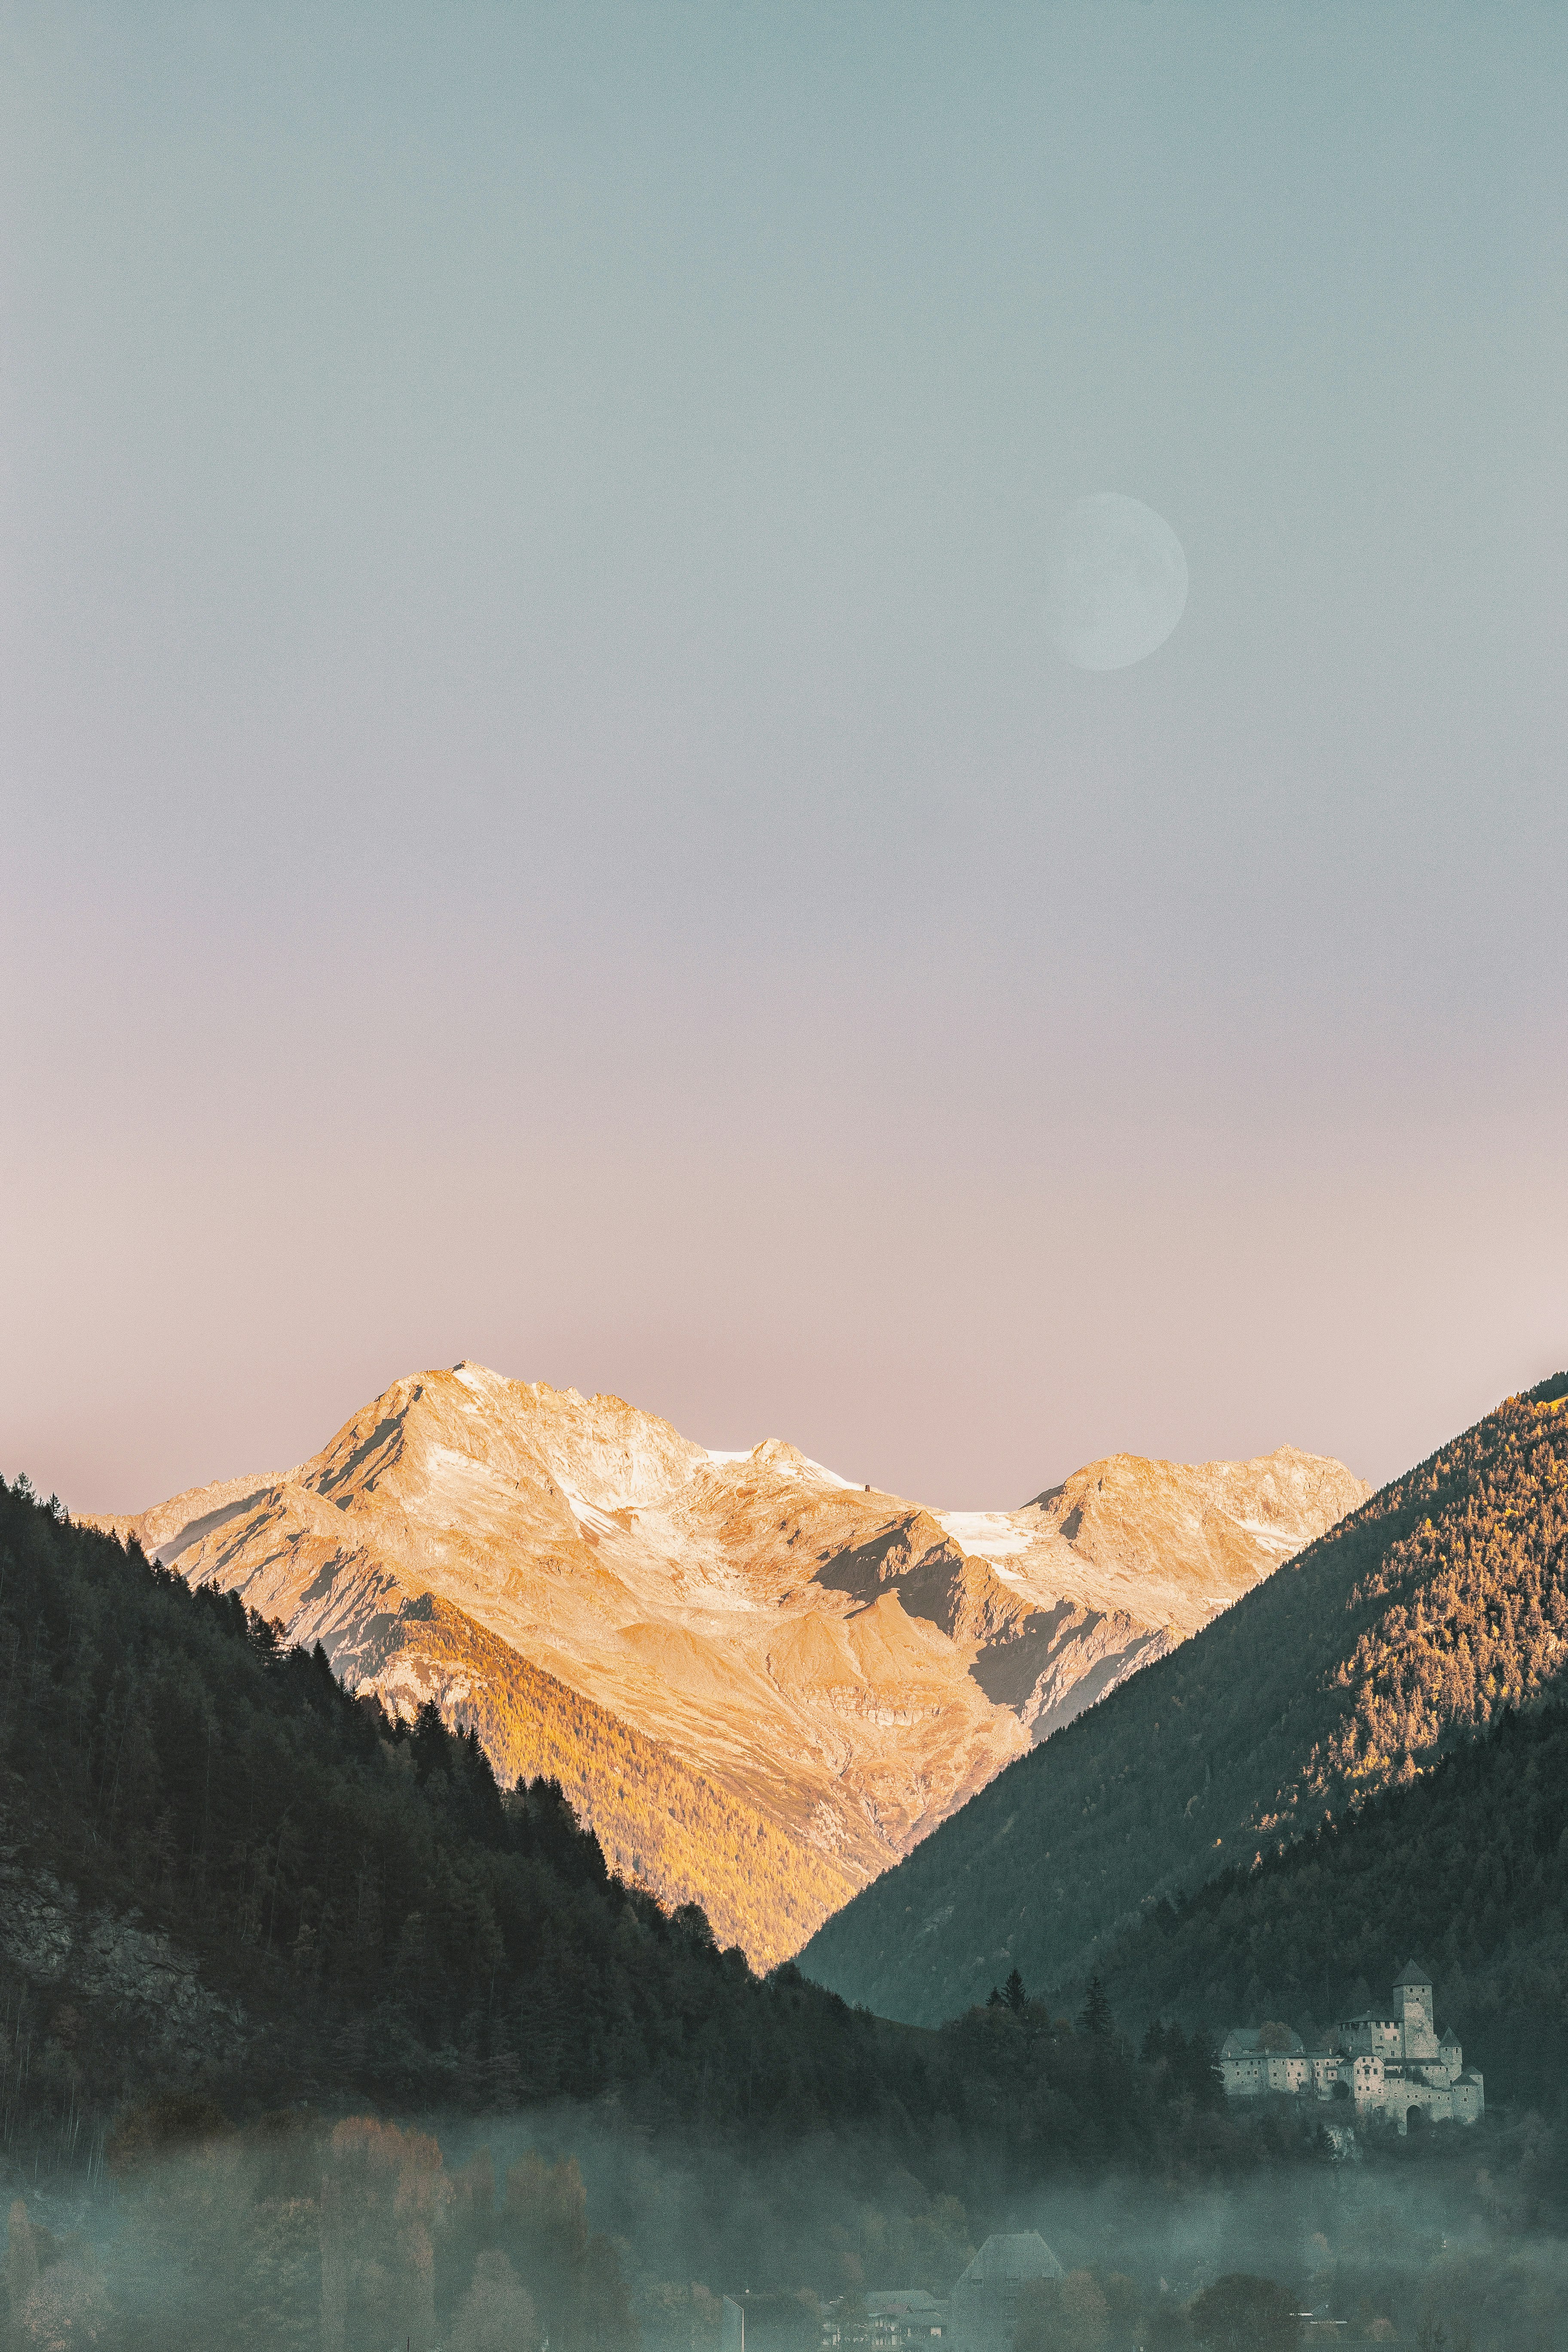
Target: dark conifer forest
(363, 1909)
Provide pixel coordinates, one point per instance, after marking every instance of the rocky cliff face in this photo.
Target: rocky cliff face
(812, 1675)
(70, 1952)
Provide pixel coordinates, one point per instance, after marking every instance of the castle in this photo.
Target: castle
(1389, 2066)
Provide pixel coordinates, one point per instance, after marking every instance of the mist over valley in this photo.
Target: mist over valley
(316, 2029)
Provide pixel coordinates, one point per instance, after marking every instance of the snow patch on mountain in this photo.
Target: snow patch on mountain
(989, 1534)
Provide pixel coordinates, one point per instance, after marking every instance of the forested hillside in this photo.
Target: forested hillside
(1467, 1868)
(1408, 1628)
(225, 1878)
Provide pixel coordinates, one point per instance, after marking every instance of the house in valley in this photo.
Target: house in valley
(898, 2316)
(984, 2309)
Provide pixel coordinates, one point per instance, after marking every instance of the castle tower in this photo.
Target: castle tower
(1413, 2004)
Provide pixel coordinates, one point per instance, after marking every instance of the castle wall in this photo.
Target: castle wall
(1374, 2091)
(1372, 2037)
(1287, 2072)
(1470, 2100)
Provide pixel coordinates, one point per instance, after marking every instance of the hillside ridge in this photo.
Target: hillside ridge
(1439, 1600)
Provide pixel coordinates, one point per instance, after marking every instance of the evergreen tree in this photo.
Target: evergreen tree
(1094, 2020)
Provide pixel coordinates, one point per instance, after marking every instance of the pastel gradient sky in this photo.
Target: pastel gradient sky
(540, 819)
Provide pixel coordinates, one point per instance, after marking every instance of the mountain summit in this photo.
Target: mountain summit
(762, 1685)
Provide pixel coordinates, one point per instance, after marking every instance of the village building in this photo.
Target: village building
(902, 2315)
(896, 2317)
(984, 2310)
(1388, 2062)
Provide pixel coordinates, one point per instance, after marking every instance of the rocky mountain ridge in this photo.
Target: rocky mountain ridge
(813, 1674)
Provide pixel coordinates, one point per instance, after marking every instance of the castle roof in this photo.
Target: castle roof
(1450, 2039)
(1012, 2254)
(1415, 1976)
(1242, 2041)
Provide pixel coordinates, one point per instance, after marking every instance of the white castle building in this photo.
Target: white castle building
(1389, 2064)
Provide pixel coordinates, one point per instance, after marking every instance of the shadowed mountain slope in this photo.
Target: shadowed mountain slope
(1440, 1601)
(807, 1676)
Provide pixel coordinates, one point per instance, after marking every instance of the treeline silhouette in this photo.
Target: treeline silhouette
(292, 2232)
(1406, 1630)
(372, 1915)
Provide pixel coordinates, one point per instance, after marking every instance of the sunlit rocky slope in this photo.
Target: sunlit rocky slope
(760, 1683)
(1399, 1636)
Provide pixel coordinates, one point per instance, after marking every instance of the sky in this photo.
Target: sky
(540, 818)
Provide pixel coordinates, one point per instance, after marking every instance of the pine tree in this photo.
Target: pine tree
(1094, 2019)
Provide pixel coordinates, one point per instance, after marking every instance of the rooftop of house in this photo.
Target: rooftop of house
(1012, 2254)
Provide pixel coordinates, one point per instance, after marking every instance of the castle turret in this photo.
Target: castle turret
(1413, 2001)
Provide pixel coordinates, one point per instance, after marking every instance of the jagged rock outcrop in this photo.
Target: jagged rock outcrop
(80, 1951)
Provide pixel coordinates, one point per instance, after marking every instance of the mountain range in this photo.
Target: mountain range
(1403, 1631)
(760, 1683)
(229, 1889)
